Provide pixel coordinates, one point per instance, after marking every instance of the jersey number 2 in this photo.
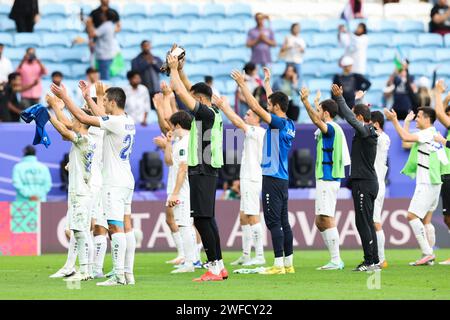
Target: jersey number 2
(126, 151)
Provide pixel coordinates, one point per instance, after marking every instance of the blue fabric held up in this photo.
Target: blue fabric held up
(40, 115)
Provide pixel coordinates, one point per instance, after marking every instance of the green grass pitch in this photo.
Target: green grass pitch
(27, 278)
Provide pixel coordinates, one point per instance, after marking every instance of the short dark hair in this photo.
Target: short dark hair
(131, 74)
(182, 118)
(202, 88)
(362, 110)
(428, 113)
(208, 79)
(447, 110)
(249, 67)
(118, 95)
(330, 106)
(57, 74)
(29, 151)
(377, 116)
(294, 25)
(281, 99)
(12, 76)
(363, 25)
(144, 42)
(91, 70)
(1, 44)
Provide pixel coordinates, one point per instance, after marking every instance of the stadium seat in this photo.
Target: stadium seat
(69, 25)
(419, 69)
(310, 70)
(134, 10)
(230, 88)
(45, 25)
(7, 25)
(235, 55)
(323, 85)
(219, 41)
(281, 26)
(353, 24)
(230, 25)
(174, 25)
(383, 26)
(197, 70)
(4, 10)
(239, 40)
(220, 85)
(214, 10)
(78, 70)
(444, 71)
(378, 83)
(329, 69)
(335, 54)
(412, 26)
(387, 54)
(331, 25)
(149, 25)
(447, 40)
(222, 71)
(278, 68)
(130, 53)
(430, 40)
(161, 10)
(374, 55)
(379, 40)
(442, 55)
(421, 55)
(47, 55)
(316, 55)
(55, 40)
(373, 97)
(64, 68)
(75, 54)
(192, 41)
(164, 40)
(239, 10)
(6, 39)
(53, 10)
(202, 26)
(404, 40)
(206, 55)
(27, 40)
(129, 25)
(326, 40)
(310, 26)
(381, 69)
(187, 11)
(128, 40)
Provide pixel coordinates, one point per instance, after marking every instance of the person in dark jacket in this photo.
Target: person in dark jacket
(147, 65)
(25, 13)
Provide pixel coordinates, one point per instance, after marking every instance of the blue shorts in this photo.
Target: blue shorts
(275, 194)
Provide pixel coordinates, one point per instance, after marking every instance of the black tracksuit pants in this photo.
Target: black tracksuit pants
(364, 193)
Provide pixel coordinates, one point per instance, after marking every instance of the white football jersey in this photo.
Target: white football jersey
(80, 164)
(117, 146)
(96, 135)
(179, 154)
(383, 144)
(252, 154)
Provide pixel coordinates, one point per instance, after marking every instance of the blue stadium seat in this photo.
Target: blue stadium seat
(61, 67)
(150, 25)
(202, 26)
(388, 54)
(219, 41)
(220, 86)
(442, 55)
(383, 26)
(421, 55)
(164, 40)
(230, 25)
(161, 10)
(310, 70)
(7, 25)
(134, 10)
(374, 54)
(235, 55)
(239, 10)
(378, 83)
(430, 40)
(447, 40)
(444, 71)
(47, 55)
(55, 40)
(7, 39)
(45, 25)
(413, 26)
(373, 98)
(404, 40)
(281, 25)
(69, 25)
(329, 69)
(192, 41)
(379, 40)
(278, 68)
(322, 40)
(78, 70)
(197, 70)
(27, 40)
(335, 54)
(239, 40)
(130, 53)
(420, 69)
(187, 10)
(170, 26)
(222, 71)
(129, 25)
(214, 10)
(230, 89)
(317, 55)
(323, 85)
(310, 25)
(331, 25)
(53, 10)
(75, 54)
(381, 69)
(128, 40)
(353, 24)
(4, 10)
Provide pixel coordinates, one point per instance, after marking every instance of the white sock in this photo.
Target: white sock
(331, 239)
(278, 262)
(82, 240)
(214, 267)
(189, 245)
(100, 251)
(118, 248)
(431, 234)
(380, 242)
(197, 246)
(221, 265)
(257, 237)
(72, 252)
(419, 231)
(177, 238)
(199, 251)
(289, 260)
(129, 253)
(246, 240)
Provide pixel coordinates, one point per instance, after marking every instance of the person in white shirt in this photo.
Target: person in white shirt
(381, 168)
(250, 181)
(424, 164)
(118, 180)
(79, 197)
(138, 98)
(355, 46)
(5, 65)
(175, 144)
(293, 49)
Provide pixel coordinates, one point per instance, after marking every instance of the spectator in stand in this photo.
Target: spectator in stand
(209, 80)
(403, 89)
(355, 46)
(349, 81)
(423, 95)
(148, 65)
(260, 39)
(31, 178)
(353, 10)
(252, 81)
(440, 18)
(92, 76)
(31, 69)
(25, 13)
(5, 65)
(57, 77)
(293, 49)
(138, 99)
(288, 84)
(11, 101)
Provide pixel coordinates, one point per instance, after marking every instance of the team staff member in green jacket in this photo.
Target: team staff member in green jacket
(31, 179)
(205, 158)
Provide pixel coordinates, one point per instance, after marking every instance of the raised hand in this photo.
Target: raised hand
(304, 94)
(336, 90)
(359, 94)
(169, 136)
(440, 139)
(267, 74)
(51, 100)
(158, 100)
(160, 141)
(166, 90)
(238, 77)
(410, 117)
(390, 114)
(85, 88)
(100, 89)
(318, 96)
(172, 62)
(59, 91)
(220, 102)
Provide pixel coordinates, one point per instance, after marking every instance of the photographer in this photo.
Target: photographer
(260, 39)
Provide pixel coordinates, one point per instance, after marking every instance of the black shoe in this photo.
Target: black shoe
(363, 267)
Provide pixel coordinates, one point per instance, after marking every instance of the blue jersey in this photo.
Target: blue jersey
(328, 141)
(277, 143)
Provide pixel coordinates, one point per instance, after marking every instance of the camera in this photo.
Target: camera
(174, 51)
